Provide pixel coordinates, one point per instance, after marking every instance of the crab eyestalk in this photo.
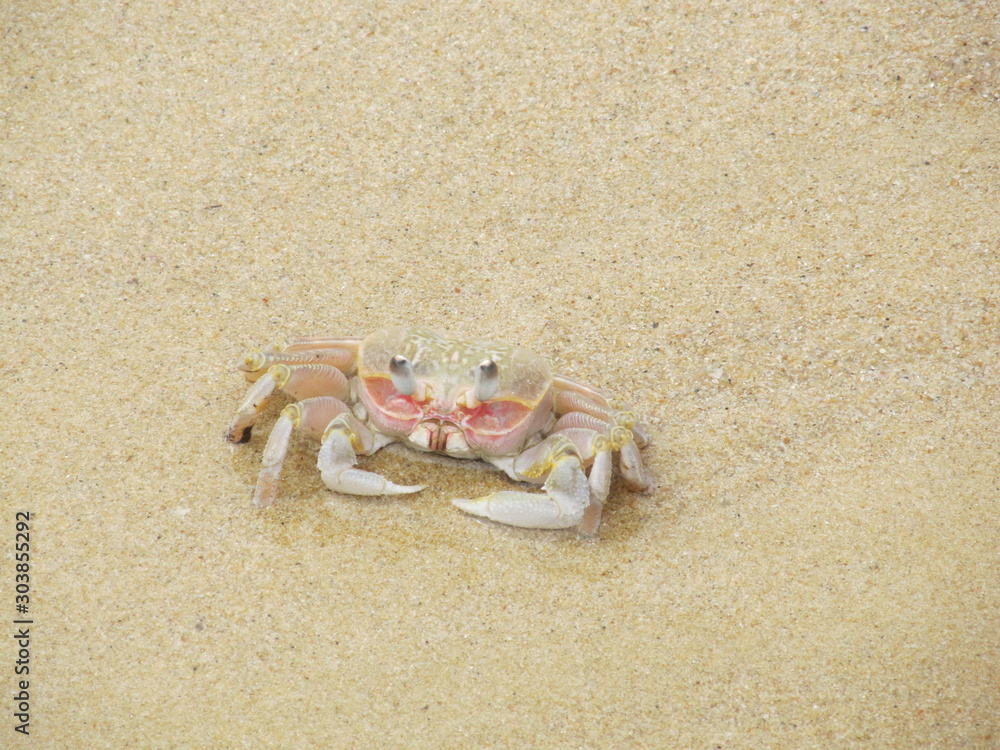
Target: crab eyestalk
(487, 380)
(403, 377)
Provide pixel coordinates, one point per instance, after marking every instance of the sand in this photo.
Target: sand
(773, 227)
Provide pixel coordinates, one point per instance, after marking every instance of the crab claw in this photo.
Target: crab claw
(337, 457)
(562, 506)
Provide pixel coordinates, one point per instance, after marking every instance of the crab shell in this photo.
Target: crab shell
(443, 413)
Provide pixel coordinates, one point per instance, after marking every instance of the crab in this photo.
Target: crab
(454, 396)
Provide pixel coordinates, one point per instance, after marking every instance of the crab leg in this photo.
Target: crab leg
(575, 396)
(310, 416)
(596, 448)
(298, 343)
(621, 435)
(298, 381)
(257, 362)
(633, 472)
(582, 420)
(568, 402)
(565, 384)
(566, 491)
(343, 439)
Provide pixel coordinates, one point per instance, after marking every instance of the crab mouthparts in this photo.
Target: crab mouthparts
(439, 434)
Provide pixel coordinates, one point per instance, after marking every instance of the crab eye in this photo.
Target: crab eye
(487, 376)
(403, 377)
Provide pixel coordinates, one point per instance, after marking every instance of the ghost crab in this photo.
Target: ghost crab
(463, 398)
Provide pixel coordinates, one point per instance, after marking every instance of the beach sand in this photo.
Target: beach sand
(772, 227)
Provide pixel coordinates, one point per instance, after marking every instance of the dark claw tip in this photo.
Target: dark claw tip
(243, 438)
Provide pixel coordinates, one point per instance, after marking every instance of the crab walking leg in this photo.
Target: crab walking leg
(566, 491)
(629, 464)
(568, 402)
(251, 407)
(596, 447)
(299, 381)
(310, 416)
(298, 343)
(633, 472)
(601, 441)
(579, 419)
(256, 362)
(638, 430)
(338, 454)
(573, 396)
(562, 383)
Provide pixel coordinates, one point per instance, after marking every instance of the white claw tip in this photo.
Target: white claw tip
(478, 507)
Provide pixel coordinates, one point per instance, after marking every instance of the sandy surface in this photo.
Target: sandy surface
(774, 227)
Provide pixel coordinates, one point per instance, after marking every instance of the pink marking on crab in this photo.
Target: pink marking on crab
(501, 427)
(489, 429)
